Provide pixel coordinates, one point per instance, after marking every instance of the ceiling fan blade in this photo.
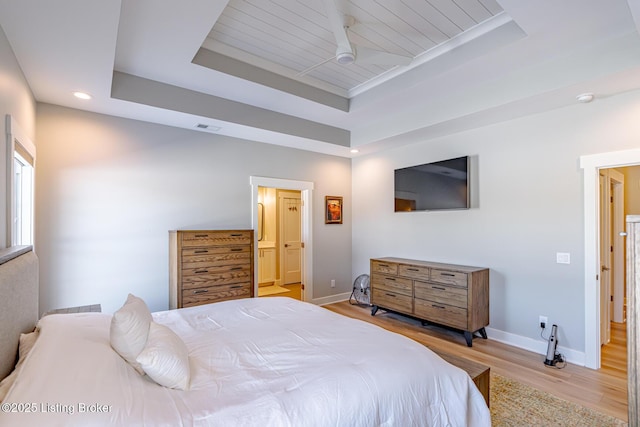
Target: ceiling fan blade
(365, 55)
(313, 67)
(336, 20)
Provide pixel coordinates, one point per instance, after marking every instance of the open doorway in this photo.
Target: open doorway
(280, 243)
(614, 204)
(591, 165)
(281, 218)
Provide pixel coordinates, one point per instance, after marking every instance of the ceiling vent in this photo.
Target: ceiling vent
(208, 128)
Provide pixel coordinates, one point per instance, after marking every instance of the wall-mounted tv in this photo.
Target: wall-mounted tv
(442, 185)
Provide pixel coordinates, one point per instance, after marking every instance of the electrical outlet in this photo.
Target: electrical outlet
(543, 321)
(333, 283)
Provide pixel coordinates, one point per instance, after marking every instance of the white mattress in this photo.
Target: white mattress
(254, 362)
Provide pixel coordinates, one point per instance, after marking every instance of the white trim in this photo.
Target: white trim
(535, 346)
(15, 134)
(331, 299)
(590, 165)
(306, 191)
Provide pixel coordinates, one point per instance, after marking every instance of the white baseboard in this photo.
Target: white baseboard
(331, 299)
(536, 346)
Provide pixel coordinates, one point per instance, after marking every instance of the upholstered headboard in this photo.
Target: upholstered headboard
(19, 291)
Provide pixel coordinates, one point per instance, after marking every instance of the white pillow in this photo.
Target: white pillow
(165, 358)
(130, 329)
(24, 347)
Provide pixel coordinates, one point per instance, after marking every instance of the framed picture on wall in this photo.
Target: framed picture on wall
(333, 210)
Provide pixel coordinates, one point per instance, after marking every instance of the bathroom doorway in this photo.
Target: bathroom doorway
(281, 220)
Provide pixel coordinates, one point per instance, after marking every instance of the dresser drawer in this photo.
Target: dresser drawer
(440, 293)
(449, 277)
(391, 300)
(208, 295)
(202, 258)
(211, 278)
(414, 271)
(444, 314)
(215, 238)
(384, 267)
(392, 284)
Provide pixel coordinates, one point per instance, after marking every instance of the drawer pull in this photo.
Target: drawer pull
(201, 235)
(200, 291)
(383, 265)
(236, 235)
(391, 279)
(390, 295)
(437, 306)
(448, 274)
(237, 287)
(413, 269)
(202, 251)
(438, 288)
(236, 249)
(236, 268)
(201, 271)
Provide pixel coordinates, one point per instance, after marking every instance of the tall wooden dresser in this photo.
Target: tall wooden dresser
(208, 266)
(452, 295)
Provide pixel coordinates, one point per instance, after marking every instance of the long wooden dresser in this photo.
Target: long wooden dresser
(452, 295)
(208, 266)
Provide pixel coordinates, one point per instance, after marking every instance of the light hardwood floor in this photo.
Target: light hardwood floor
(604, 390)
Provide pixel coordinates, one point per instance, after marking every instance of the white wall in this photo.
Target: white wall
(110, 189)
(530, 206)
(15, 99)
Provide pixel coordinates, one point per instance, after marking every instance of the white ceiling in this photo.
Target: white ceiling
(289, 37)
(234, 64)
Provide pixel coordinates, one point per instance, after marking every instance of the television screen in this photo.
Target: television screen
(433, 186)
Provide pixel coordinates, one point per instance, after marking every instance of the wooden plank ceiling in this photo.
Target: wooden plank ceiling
(290, 36)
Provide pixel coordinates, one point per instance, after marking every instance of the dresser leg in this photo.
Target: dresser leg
(469, 337)
(374, 310)
(483, 333)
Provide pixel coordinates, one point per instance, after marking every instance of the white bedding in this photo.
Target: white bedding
(254, 362)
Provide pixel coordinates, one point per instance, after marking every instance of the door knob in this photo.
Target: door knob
(605, 268)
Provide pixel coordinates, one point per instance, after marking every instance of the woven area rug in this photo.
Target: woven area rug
(517, 404)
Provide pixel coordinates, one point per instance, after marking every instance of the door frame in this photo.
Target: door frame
(604, 236)
(591, 164)
(306, 194)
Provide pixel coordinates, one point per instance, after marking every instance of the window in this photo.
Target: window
(21, 186)
(22, 215)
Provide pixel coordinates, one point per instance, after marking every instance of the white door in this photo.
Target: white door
(618, 267)
(291, 236)
(605, 257)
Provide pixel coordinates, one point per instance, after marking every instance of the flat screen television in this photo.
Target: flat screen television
(442, 185)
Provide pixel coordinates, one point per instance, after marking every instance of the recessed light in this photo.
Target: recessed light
(355, 150)
(82, 95)
(585, 97)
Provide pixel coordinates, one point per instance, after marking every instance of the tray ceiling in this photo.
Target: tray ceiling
(293, 38)
(233, 65)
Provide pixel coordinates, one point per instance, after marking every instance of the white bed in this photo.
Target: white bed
(254, 362)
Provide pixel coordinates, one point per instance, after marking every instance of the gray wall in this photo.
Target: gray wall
(15, 99)
(530, 206)
(109, 189)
